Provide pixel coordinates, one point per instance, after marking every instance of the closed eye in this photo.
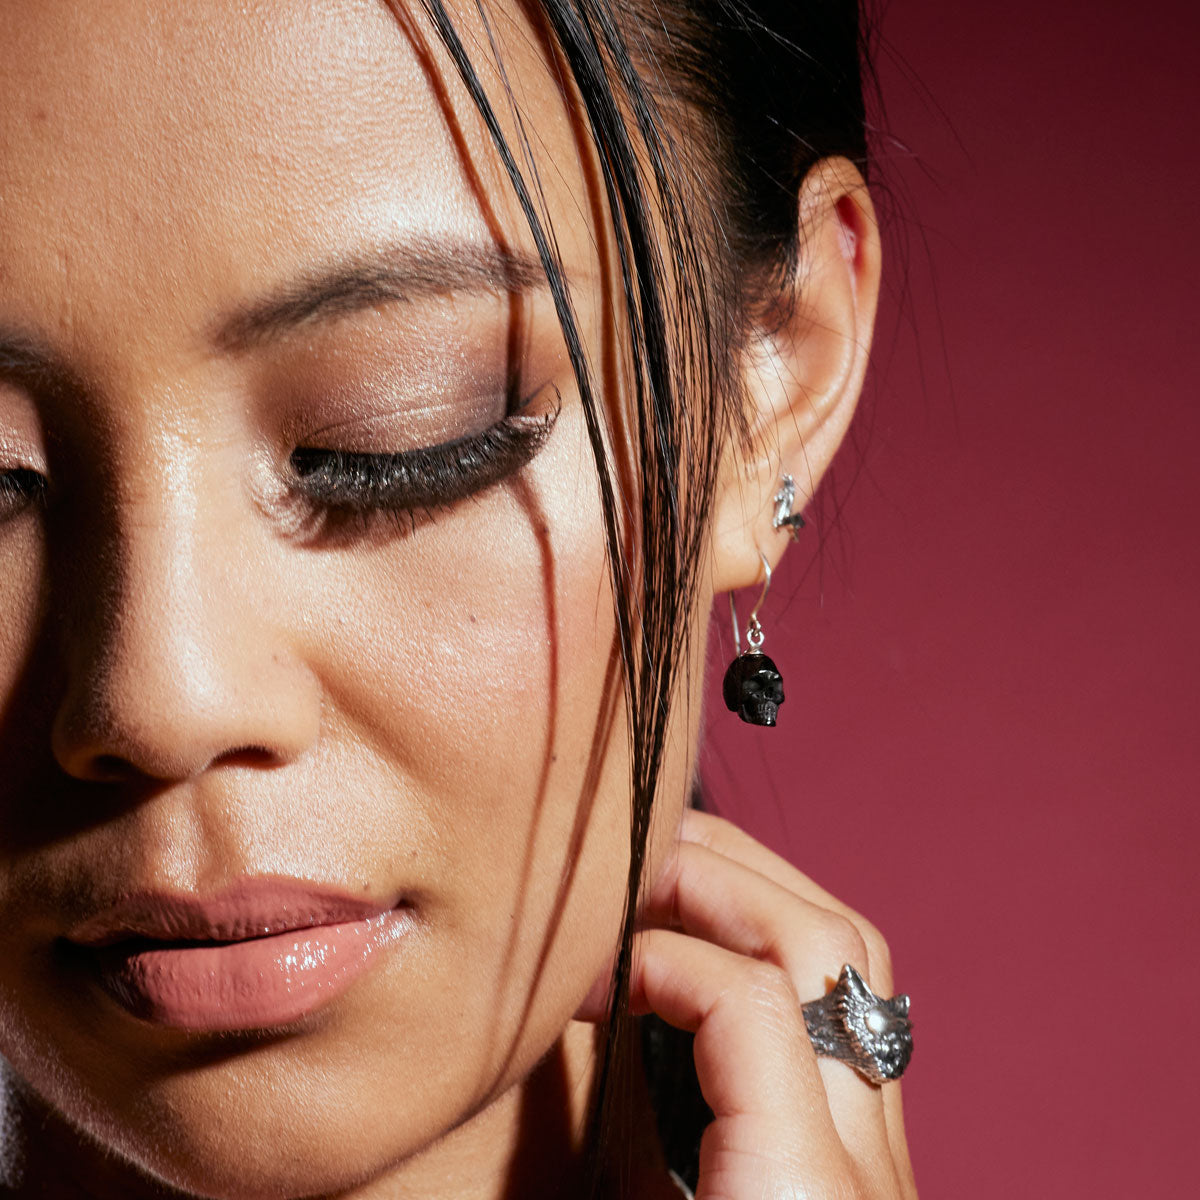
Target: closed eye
(346, 489)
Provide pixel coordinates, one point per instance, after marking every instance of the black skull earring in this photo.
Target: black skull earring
(753, 686)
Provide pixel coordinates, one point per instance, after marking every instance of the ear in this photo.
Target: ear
(802, 370)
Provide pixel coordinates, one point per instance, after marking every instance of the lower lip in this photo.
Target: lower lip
(255, 984)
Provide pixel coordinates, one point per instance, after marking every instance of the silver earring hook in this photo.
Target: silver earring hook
(754, 629)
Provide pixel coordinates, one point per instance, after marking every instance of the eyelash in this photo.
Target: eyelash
(348, 490)
(19, 488)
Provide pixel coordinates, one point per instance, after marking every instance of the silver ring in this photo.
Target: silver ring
(855, 1026)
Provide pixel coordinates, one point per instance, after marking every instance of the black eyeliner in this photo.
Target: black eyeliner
(425, 478)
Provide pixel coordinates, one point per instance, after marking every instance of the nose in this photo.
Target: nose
(176, 651)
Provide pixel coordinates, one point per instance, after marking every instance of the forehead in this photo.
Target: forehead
(159, 157)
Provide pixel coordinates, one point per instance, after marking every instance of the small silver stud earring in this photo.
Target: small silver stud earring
(785, 499)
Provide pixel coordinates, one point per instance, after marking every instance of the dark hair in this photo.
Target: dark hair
(705, 116)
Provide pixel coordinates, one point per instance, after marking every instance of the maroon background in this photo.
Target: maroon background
(990, 741)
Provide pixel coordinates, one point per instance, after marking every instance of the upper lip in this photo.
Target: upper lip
(249, 908)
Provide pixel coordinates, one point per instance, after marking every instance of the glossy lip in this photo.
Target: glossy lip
(250, 908)
(260, 954)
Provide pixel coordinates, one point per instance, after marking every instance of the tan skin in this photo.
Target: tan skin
(201, 679)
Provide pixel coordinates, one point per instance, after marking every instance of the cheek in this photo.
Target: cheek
(473, 663)
(476, 647)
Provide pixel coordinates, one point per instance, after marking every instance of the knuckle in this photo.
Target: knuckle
(844, 942)
(769, 984)
(878, 960)
(874, 954)
(879, 955)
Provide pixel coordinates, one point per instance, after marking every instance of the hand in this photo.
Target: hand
(737, 939)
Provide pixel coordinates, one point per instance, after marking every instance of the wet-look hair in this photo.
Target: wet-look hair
(704, 117)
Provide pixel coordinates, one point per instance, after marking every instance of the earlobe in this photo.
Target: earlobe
(803, 368)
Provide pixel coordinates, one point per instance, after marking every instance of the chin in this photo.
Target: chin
(234, 1139)
(315, 1110)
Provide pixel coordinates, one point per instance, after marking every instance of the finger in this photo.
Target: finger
(893, 1111)
(707, 895)
(755, 1067)
(725, 838)
(711, 896)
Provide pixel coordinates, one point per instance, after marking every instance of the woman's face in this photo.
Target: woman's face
(295, 688)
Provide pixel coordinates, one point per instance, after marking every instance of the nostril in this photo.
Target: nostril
(109, 768)
(129, 715)
(247, 756)
(113, 768)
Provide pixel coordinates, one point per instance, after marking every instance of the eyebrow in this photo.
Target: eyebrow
(417, 269)
(31, 363)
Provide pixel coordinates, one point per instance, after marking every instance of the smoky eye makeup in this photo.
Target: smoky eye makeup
(387, 418)
(349, 490)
